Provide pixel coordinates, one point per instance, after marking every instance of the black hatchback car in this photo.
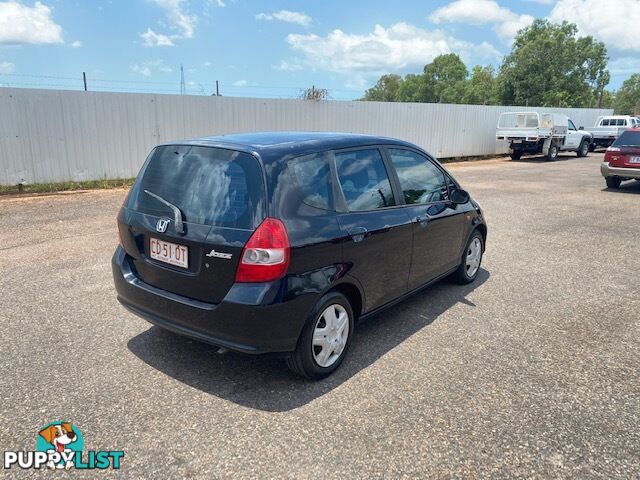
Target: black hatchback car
(277, 242)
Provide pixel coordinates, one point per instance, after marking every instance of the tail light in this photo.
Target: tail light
(613, 149)
(265, 257)
(124, 202)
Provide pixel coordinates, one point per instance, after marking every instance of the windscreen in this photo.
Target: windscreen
(628, 139)
(210, 186)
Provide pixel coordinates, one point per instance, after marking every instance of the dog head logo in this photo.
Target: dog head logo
(62, 438)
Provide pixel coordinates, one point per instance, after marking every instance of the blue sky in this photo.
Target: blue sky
(273, 49)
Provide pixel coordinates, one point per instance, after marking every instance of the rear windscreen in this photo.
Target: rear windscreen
(628, 139)
(210, 186)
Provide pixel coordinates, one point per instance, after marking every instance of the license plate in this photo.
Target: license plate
(634, 160)
(168, 252)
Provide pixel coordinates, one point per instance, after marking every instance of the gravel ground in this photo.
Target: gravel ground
(530, 372)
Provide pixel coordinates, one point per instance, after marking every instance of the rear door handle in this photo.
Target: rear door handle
(357, 233)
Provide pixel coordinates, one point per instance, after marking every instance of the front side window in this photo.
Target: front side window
(572, 125)
(421, 181)
(364, 180)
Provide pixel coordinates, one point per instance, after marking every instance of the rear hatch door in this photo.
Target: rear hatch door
(628, 154)
(194, 251)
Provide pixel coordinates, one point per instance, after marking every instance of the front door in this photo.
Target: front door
(378, 232)
(438, 224)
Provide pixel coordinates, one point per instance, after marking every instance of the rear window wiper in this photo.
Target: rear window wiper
(177, 214)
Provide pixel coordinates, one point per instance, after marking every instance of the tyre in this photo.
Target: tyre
(325, 338)
(516, 155)
(613, 182)
(592, 147)
(552, 154)
(583, 149)
(471, 260)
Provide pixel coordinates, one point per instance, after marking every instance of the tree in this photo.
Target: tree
(627, 100)
(481, 88)
(314, 93)
(444, 79)
(411, 89)
(385, 90)
(549, 66)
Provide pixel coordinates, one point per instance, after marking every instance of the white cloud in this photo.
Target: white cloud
(76, 44)
(179, 21)
(625, 66)
(240, 83)
(6, 67)
(153, 39)
(148, 68)
(23, 24)
(613, 22)
(383, 50)
(288, 16)
(506, 23)
(287, 65)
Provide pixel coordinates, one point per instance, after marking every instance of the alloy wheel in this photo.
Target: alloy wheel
(474, 255)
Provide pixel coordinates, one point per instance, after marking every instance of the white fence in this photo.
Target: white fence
(53, 135)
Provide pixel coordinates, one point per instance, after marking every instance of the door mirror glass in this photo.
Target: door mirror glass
(581, 128)
(459, 196)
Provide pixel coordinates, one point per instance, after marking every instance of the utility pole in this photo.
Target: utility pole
(84, 79)
(183, 88)
(217, 89)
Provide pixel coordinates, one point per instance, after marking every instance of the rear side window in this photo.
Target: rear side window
(628, 139)
(622, 122)
(364, 180)
(421, 181)
(312, 175)
(605, 122)
(210, 186)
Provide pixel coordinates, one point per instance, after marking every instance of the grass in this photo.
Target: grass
(65, 186)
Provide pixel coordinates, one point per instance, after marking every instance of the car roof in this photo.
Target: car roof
(276, 144)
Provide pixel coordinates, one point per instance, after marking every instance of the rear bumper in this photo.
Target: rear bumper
(252, 318)
(623, 172)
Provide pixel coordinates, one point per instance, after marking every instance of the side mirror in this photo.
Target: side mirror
(459, 196)
(580, 128)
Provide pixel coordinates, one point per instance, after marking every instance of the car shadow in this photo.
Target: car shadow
(629, 187)
(541, 159)
(266, 383)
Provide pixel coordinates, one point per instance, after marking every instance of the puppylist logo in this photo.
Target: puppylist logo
(60, 445)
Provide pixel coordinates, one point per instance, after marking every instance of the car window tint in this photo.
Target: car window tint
(312, 175)
(572, 125)
(364, 180)
(421, 181)
(628, 139)
(210, 186)
(605, 122)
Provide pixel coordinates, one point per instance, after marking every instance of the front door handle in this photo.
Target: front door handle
(357, 233)
(423, 219)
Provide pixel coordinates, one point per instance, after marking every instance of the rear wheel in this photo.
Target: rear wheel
(583, 150)
(471, 260)
(552, 154)
(516, 154)
(613, 182)
(325, 338)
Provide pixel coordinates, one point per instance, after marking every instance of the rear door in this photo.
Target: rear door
(378, 230)
(438, 225)
(219, 195)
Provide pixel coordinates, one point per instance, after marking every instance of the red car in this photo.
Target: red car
(622, 159)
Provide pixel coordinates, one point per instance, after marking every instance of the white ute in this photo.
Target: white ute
(541, 133)
(609, 128)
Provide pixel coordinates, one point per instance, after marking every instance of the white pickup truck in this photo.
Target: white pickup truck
(608, 128)
(541, 133)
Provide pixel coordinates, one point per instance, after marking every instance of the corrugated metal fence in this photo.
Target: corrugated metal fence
(53, 135)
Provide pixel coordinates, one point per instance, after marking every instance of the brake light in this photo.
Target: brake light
(265, 257)
(120, 241)
(613, 149)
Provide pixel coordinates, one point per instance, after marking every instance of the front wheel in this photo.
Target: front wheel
(471, 260)
(325, 338)
(583, 150)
